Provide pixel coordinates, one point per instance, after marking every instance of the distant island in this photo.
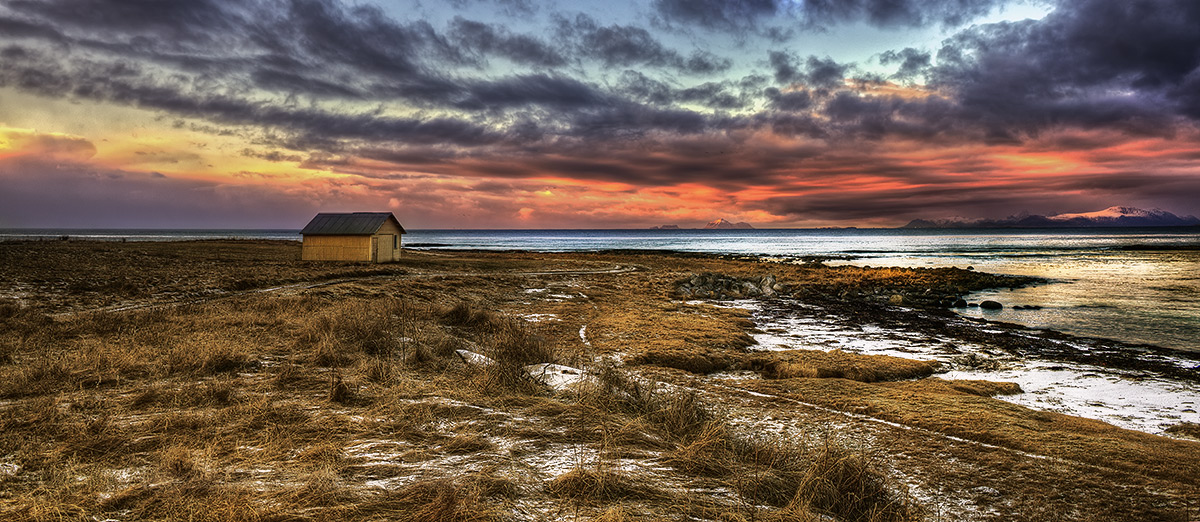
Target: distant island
(1109, 217)
(719, 224)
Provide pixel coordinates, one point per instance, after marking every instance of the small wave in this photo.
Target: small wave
(1141, 247)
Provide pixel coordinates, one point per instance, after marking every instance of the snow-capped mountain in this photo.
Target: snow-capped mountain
(1117, 213)
(722, 224)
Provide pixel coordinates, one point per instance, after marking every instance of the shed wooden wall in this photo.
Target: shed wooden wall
(336, 248)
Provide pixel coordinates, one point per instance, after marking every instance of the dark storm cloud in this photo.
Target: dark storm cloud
(22, 29)
(538, 89)
(626, 45)
(509, 7)
(913, 62)
(824, 72)
(793, 101)
(897, 13)
(732, 15)
(284, 81)
(711, 94)
(362, 36)
(488, 39)
(743, 15)
(308, 124)
(817, 72)
(194, 21)
(718, 95)
(1094, 63)
(785, 67)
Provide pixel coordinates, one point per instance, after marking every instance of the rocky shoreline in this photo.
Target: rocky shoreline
(930, 311)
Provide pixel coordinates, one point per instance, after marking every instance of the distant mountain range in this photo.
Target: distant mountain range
(1109, 217)
(720, 224)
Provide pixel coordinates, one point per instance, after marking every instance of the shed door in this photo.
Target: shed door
(385, 248)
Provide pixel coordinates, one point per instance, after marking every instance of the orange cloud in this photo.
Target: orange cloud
(46, 146)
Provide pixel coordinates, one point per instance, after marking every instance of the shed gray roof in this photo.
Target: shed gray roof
(348, 224)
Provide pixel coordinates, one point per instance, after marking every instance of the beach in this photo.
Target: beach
(157, 380)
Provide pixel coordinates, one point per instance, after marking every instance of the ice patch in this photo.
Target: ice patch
(1144, 404)
(8, 469)
(1123, 399)
(539, 318)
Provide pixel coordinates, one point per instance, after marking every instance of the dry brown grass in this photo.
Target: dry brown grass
(961, 386)
(942, 408)
(839, 364)
(598, 485)
(697, 339)
(799, 477)
(283, 405)
(430, 501)
(1185, 429)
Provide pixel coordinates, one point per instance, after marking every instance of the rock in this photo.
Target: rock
(960, 303)
(984, 490)
(475, 359)
(778, 287)
(972, 305)
(556, 376)
(896, 300)
(991, 305)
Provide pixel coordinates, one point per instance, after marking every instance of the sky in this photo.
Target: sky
(613, 114)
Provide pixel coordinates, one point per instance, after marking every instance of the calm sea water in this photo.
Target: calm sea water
(1134, 285)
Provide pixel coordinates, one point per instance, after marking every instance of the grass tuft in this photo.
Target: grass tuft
(432, 501)
(595, 485)
(1185, 429)
(839, 364)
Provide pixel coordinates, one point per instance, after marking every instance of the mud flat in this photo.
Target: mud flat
(226, 380)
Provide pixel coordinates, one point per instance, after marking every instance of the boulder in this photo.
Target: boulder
(960, 303)
(896, 300)
(991, 305)
(557, 376)
(475, 359)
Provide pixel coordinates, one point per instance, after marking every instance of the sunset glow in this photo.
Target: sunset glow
(547, 114)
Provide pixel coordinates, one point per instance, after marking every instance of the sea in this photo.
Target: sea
(1136, 285)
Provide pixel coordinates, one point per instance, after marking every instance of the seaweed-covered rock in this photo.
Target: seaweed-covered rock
(720, 286)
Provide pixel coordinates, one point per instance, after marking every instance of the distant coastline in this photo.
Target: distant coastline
(1111, 217)
(172, 234)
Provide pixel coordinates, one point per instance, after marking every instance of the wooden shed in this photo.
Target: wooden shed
(355, 236)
